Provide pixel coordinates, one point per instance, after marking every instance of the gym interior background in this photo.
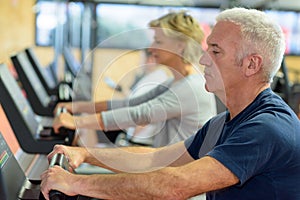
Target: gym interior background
(19, 31)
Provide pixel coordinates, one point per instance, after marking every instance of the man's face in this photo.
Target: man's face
(221, 69)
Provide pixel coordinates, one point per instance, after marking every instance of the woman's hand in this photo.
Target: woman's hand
(67, 105)
(74, 155)
(64, 120)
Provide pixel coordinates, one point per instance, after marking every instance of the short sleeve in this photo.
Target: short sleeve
(193, 143)
(245, 152)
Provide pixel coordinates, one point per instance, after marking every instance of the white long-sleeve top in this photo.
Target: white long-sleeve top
(178, 109)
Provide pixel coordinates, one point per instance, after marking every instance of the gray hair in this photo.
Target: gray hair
(260, 34)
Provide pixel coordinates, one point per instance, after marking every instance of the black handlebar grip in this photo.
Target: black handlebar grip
(56, 195)
(60, 160)
(64, 132)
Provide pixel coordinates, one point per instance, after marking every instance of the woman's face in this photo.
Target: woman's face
(164, 49)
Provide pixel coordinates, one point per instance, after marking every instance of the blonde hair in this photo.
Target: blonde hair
(184, 27)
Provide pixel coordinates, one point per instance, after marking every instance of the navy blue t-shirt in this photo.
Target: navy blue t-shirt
(261, 146)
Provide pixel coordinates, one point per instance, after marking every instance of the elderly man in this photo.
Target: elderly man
(257, 155)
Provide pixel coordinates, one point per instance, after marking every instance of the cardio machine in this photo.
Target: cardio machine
(47, 75)
(41, 102)
(34, 133)
(15, 185)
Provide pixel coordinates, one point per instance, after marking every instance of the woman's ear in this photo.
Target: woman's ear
(254, 64)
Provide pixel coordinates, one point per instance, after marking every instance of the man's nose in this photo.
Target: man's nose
(205, 59)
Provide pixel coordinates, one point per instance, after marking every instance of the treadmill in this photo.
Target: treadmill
(73, 67)
(41, 102)
(82, 85)
(32, 132)
(14, 185)
(45, 75)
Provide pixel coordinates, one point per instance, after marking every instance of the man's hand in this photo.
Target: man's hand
(56, 178)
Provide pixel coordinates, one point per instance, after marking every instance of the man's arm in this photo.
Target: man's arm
(184, 177)
(200, 176)
(182, 182)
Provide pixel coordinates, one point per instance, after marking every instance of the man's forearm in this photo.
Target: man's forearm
(205, 174)
(153, 185)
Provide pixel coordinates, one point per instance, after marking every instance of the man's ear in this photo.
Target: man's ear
(254, 64)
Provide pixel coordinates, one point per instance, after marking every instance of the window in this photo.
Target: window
(117, 25)
(126, 25)
(289, 21)
(52, 15)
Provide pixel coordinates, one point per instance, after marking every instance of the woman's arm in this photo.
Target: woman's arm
(139, 99)
(180, 100)
(79, 107)
(126, 159)
(90, 121)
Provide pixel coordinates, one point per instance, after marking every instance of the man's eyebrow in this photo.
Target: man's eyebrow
(215, 45)
(211, 43)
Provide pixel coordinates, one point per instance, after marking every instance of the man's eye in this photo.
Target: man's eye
(215, 52)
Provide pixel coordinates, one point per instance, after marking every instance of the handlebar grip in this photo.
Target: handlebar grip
(60, 160)
(56, 195)
(64, 132)
(60, 110)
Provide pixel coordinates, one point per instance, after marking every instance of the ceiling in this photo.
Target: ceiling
(259, 4)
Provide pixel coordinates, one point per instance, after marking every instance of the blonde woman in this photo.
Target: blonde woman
(177, 108)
